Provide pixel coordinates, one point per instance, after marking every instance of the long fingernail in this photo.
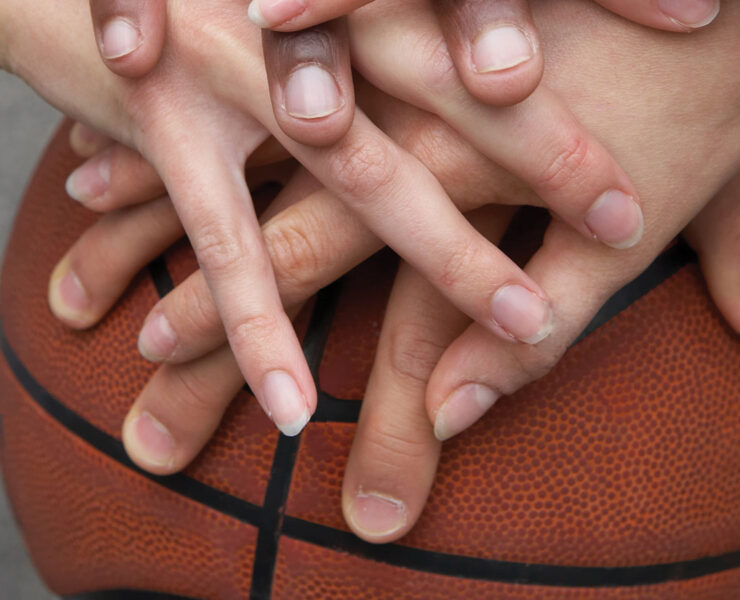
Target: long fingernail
(285, 404)
(91, 180)
(311, 92)
(522, 314)
(157, 339)
(120, 38)
(68, 298)
(501, 48)
(465, 406)
(150, 441)
(269, 13)
(690, 13)
(376, 515)
(616, 220)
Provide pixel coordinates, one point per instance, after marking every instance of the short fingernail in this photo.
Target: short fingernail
(150, 441)
(285, 403)
(157, 339)
(465, 406)
(67, 296)
(91, 180)
(311, 92)
(616, 220)
(85, 141)
(376, 515)
(120, 37)
(522, 314)
(690, 13)
(501, 48)
(269, 13)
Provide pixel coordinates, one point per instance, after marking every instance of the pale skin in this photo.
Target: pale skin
(161, 115)
(394, 408)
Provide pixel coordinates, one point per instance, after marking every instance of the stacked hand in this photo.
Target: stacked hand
(312, 237)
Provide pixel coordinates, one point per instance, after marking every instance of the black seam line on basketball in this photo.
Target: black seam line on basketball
(283, 464)
(125, 595)
(334, 539)
(161, 277)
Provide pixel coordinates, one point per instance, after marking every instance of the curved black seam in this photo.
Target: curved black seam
(392, 554)
(286, 451)
(126, 595)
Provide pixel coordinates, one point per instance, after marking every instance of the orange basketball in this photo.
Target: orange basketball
(616, 477)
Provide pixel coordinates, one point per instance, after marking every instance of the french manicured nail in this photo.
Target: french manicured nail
(67, 296)
(120, 37)
(464, 407)
(311, 92)
(269, 13)
(157, 339)
(690, 13)
(616, 220)
(522, 314)
(90, 180)
(377, 515)
(285, 404)
(501, 48)
(150, 441)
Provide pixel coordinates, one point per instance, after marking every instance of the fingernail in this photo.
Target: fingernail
(151, 442)
(376, 515)
(285, 404)
(85, 141)
(522, 314)
(269, 13)
(690, 13)
(311, 92)
(501, 48)
(465, 406)
(120, 37)
(68, 298)
(157, 339)
(91, 180)
(616, 220)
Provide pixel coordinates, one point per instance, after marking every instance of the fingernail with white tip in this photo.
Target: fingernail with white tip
(311, 92)
(522, 314)
(615, 219)
(376, 515)
(90, 180)
(271, 13)
(501, 48)
(120, 38)
(284, 402)
(68, 298)
(690, 13)
(464, 406)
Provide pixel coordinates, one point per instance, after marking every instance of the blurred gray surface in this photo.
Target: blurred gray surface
(26, 123)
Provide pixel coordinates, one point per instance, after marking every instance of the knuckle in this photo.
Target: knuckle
(297, 258)
(220, 249)
(363, 167)
(568, 165)
(457, 265)
(532, 366)
(251, 331)
(413, 352)
(193, 310)
(195, 392)
(438, 74)
(392, 451)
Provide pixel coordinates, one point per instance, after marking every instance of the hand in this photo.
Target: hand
(659, 174)
(200, 158)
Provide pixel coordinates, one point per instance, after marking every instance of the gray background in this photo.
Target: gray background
(26, 123)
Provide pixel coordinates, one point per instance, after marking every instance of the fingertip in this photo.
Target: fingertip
(148, 443)
(86, 141)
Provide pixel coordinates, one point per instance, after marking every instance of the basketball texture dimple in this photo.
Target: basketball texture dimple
(615, 477)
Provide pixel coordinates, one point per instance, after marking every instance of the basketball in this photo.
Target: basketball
(615, 477)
